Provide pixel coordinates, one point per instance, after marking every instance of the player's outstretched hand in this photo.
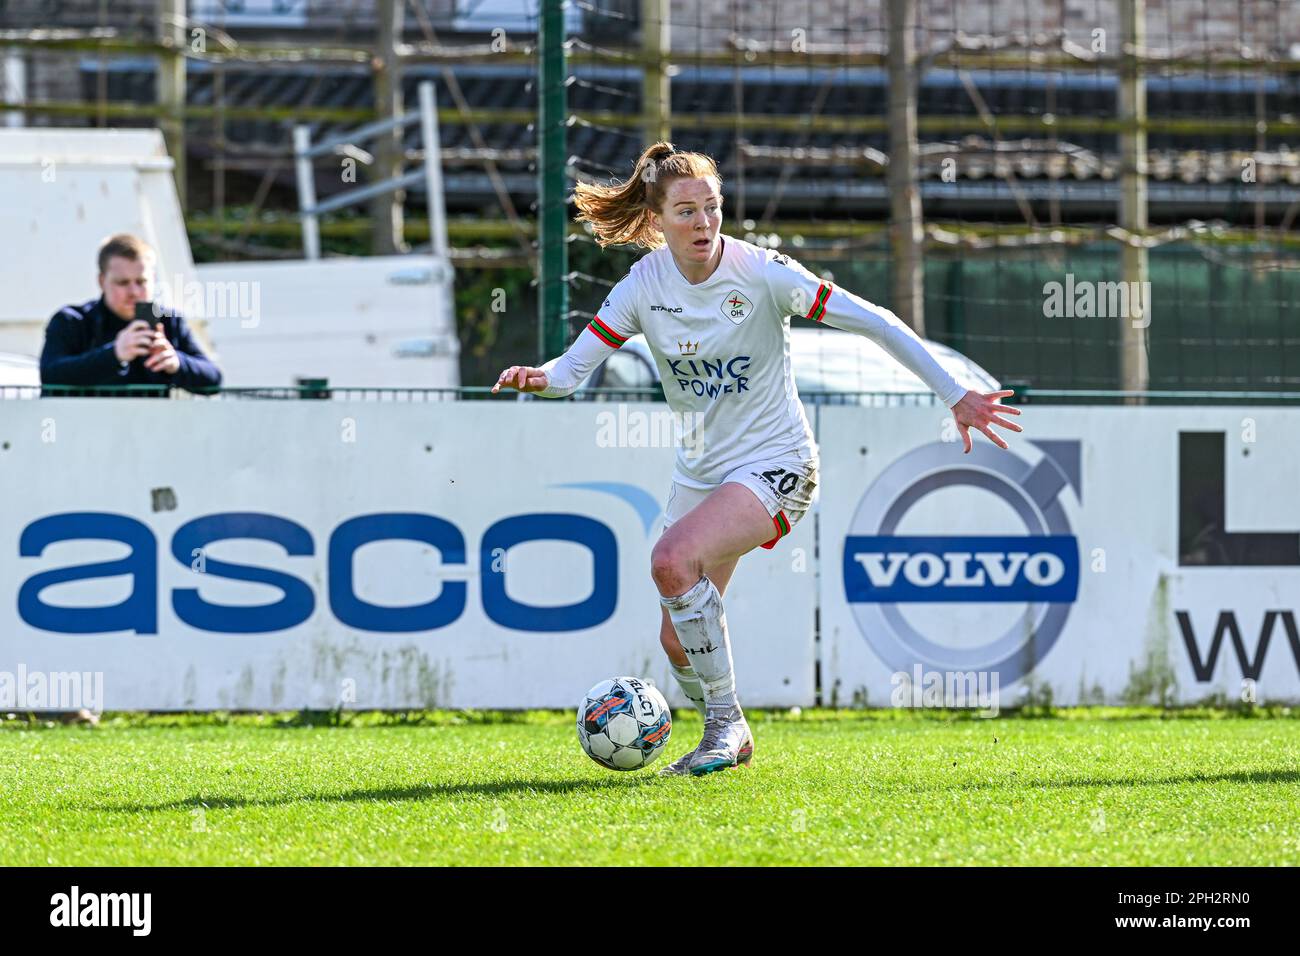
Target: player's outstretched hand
(522, 378)
(980, 411)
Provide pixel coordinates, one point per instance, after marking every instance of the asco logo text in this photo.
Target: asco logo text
(139, 611)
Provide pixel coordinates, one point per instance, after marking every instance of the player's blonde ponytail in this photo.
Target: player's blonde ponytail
(619, 212)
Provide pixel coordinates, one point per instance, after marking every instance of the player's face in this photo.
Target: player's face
(124, 283)
(691, 219)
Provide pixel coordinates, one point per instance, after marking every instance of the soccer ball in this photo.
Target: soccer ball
(623, 723)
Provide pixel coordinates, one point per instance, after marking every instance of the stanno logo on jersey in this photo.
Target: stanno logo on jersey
(665, 308)
(736, 307)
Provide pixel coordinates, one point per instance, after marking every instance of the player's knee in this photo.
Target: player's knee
(671, 568)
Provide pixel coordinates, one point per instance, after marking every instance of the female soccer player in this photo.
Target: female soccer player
(716, 313)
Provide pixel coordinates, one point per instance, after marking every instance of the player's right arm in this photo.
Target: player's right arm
(605, 334)
(793, 285)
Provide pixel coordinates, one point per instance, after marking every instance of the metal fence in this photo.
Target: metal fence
(345, 393)
(1023, 395)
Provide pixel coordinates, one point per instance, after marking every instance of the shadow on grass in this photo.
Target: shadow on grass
(1013, 781)
(508, 787)
(387, 794)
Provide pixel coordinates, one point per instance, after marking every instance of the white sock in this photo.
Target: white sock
(689, 681)
(701, 627)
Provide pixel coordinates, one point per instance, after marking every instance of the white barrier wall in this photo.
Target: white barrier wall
(1058, 565)
(369, 321)
(279, 555)
(271, 555)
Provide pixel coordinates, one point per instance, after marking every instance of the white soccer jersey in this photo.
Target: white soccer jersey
(723, 351)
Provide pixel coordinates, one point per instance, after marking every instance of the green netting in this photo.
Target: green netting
(1216, 322)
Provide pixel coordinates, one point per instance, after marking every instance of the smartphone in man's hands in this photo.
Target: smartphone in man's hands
(144, 312)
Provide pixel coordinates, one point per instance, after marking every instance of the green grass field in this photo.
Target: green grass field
(1096, 787)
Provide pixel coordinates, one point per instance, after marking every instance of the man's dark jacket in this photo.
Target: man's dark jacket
(79, 345)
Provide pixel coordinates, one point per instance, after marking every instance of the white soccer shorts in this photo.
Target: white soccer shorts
(787, 487)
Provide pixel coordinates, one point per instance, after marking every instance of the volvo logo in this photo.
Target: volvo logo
(1037, 566)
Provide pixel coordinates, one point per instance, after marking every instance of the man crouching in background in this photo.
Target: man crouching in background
(101, 342)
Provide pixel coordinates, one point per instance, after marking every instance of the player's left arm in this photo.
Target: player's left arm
(796, 291)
